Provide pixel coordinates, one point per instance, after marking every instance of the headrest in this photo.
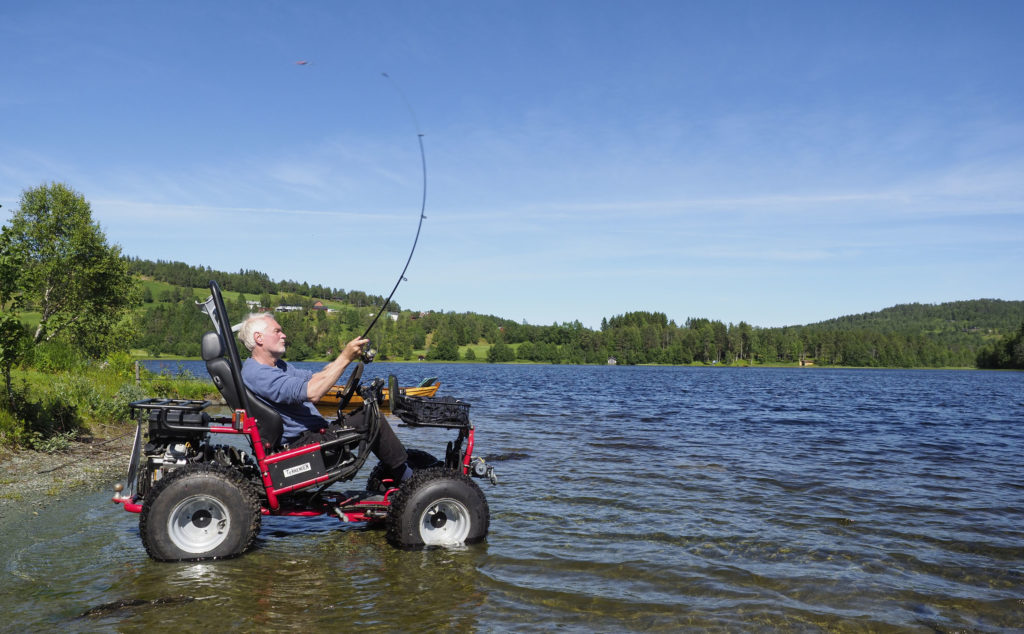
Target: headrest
(212, 346)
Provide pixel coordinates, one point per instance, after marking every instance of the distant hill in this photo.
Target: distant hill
(980, 316)
(913, 335)
(250, 283)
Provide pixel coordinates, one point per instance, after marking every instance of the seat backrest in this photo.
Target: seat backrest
(268, 420)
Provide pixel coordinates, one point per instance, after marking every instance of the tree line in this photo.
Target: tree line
(947, 335)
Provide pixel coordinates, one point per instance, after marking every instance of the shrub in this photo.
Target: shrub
(12, 430)
(183, 386)
(121, 364)
(56, 443)
(55, 356)
(30, 422)
(117, 406)
(80, 393)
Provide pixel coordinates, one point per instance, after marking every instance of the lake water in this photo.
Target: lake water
(631, 498)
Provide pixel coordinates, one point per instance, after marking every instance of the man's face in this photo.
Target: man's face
(271, 338)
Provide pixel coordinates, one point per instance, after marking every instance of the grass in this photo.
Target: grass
(56, 407)
(30, 318)
(479, 349)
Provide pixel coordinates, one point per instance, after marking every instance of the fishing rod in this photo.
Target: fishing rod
(370, 353)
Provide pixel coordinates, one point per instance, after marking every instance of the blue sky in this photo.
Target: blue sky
(771, 162)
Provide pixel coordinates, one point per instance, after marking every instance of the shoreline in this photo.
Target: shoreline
(171, 359)
(31, 481)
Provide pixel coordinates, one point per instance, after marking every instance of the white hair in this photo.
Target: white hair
(255, 322)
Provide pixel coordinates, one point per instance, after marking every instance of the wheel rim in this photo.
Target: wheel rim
(445, 522)
(198, 524)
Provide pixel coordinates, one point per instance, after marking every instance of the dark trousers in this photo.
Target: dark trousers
(387, 447)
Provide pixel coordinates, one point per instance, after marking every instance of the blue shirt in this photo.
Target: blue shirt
(284, 387)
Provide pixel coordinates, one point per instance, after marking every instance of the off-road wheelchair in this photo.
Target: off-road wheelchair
(201, 474)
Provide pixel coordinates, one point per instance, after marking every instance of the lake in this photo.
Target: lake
(630, 498)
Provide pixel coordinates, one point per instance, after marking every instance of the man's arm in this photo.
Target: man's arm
(322, 381)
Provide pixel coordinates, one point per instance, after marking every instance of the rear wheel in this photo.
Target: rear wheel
(203, 511)
(437, 507)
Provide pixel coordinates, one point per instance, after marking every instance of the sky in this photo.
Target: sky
(777, 163)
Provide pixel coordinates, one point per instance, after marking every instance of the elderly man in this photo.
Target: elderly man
(293, 392)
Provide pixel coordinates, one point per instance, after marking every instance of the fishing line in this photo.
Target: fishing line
(423, 206)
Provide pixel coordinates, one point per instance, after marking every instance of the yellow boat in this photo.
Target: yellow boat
(328, 403)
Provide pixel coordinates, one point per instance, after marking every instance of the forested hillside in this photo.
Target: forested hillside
(251, 283)
(956, 330)
(911, 335)
(951, 317)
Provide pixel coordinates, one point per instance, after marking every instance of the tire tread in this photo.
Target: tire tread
(251, 503)
(400, 531)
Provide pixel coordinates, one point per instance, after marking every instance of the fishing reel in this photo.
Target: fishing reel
(369, 353)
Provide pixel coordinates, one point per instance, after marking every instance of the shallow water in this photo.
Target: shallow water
(630, 499)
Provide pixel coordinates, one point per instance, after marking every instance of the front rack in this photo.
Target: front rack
(422, 411)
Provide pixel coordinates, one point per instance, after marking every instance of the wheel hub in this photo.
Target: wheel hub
(445, 522)
(198, 524)
(202, 518)
(438, 519)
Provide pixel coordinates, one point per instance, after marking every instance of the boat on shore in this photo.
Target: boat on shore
(328, 403)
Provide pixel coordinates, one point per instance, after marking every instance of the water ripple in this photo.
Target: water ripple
(632, 499)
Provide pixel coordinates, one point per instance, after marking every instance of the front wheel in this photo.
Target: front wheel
(437, 507)
(202, 511)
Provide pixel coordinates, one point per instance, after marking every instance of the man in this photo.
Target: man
(293, 392)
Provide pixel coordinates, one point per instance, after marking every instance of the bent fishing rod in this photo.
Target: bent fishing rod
(370, 353)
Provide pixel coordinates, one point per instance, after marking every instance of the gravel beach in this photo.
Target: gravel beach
(32, 480)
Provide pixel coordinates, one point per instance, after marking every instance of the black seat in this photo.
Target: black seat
(268, 420)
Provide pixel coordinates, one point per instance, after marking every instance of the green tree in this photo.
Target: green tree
(444, 350)
(12, 333)
(81, 285)
(525, 351)
(500, 352)
(445, 345)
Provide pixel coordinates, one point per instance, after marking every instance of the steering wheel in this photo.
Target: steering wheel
(350, 387)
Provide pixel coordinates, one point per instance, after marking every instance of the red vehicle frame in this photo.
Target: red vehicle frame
(198, 500)
(356, 509)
